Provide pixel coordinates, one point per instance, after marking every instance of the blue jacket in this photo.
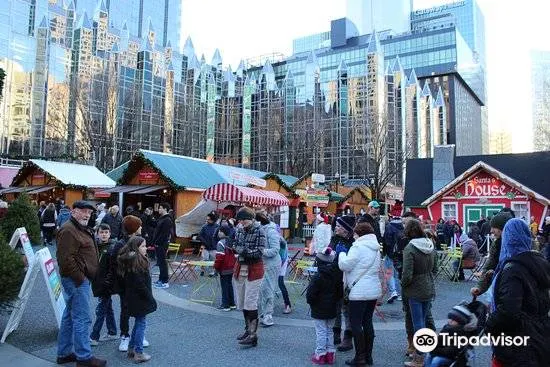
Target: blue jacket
(63, 216)
(208, 236)
(392, 234)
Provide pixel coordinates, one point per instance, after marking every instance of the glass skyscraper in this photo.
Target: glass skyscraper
(540, 89)
(85, 85)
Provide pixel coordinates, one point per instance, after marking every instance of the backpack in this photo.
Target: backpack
(392, 236)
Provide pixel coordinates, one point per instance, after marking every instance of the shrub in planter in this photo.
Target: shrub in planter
(12, 272)
(21, 213)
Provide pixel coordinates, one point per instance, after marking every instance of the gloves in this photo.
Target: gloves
(341, 248)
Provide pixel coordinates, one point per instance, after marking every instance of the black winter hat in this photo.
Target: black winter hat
(460, 314)
(245, 213)
(500, 220)
(225, 230)
(347, 221)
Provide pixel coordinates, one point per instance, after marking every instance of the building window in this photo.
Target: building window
(521, 210)
(450, 211)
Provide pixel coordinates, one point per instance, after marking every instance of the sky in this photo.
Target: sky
(244, 29)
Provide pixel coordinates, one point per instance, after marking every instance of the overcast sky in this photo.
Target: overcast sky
(247, 28)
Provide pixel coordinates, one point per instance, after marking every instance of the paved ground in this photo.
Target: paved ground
(186, 333)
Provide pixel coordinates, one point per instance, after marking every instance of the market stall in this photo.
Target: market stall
(48, 181)
(221, 196)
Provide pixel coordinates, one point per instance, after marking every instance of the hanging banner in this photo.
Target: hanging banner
(249, 180)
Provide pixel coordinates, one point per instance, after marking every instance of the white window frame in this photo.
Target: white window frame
(455, 204)
(518, 215)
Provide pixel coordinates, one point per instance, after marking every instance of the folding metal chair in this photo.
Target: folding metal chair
(478, 268)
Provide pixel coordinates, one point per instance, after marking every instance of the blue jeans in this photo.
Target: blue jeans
(393, 282)
(419, 309)
(228, 297)
(437, 361)
(104, 312)
(138, 333)
(325, 337)
(74, 331)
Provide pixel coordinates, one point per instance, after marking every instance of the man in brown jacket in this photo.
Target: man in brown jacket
(77, 258)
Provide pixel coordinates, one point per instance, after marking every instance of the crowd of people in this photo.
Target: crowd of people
(358, 264)
(408, 264)
(101, 252)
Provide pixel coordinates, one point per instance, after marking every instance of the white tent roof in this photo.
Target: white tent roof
(75, 174)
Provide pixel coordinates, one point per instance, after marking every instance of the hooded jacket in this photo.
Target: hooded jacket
(321, 237)
(271, 257)
(324, 292)
(392, 234)
(470, 252)
(419, 267)
(521, 299)
(363, 255)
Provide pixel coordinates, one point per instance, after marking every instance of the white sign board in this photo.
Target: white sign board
(251, 180)
(53, 282)
(285, 215)
(20, 234)
(42, 260)
(317, 177)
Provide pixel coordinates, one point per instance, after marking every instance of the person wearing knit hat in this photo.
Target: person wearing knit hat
(131, 225)
(343, 236)
(497, 226)
(323, 294)
(462, 322)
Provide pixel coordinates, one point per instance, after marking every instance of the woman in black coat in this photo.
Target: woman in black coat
(521, 301)
(134, 267)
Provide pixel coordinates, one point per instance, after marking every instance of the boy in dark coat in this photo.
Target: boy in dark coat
(102, 287)
(323, 293)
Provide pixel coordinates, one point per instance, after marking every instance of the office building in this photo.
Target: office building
(80, 86)
(371, 15)
(501, 142)
(540, 92)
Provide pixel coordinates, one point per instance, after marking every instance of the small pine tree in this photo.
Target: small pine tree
(12, 273)
(21, 213)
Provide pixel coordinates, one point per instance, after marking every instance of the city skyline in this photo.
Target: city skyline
(507, 47)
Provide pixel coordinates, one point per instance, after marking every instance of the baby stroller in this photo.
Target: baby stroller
(475, 314)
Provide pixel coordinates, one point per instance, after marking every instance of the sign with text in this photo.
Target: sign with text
(41, 260)
(148, 175)
(314, 197)
(251, 180)
(317, 177)
(20, 235)
(483, 185)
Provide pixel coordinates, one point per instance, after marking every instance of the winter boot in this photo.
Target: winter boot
(347, 342)
(141, 357)
(410, 347)
(360, 351)
(330, 358)
(417, 361)
(337, 335)
(252, 338)
(369, 343)
(246, 325)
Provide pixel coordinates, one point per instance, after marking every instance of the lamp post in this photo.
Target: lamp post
(337, 177)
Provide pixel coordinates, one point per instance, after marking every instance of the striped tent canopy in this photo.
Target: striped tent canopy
(241, 194)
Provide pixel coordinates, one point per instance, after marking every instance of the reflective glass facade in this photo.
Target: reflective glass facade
(80, 87)
(540, 90)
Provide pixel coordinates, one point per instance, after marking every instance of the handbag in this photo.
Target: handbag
(347, 290)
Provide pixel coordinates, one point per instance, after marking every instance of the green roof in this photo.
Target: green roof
(190, 172)
(288, 180)
(334, 196)
(116, 174)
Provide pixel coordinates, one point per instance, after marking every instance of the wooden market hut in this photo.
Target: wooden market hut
(153, 177)
(49, 181)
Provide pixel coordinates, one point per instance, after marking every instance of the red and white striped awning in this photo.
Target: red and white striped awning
(241, 194)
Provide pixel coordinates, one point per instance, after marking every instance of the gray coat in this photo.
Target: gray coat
(271, 257)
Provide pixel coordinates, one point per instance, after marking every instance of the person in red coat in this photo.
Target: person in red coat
(224, 264)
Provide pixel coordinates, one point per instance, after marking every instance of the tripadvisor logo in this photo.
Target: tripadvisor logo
(426, 340)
